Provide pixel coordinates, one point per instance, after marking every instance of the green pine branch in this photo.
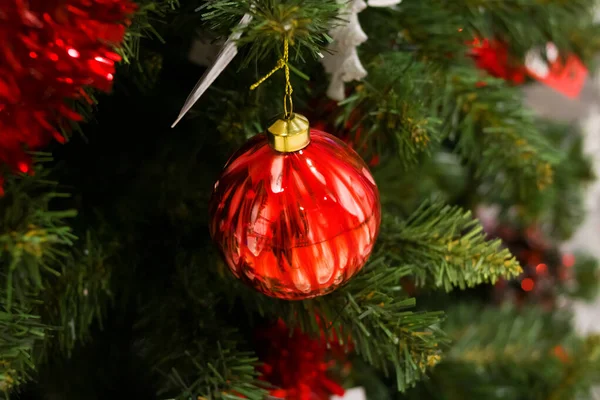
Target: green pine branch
(384, 329)
(20, 331)
(428, 28)
(304, 22)
(149, 14)
(194, 352)
(438, 246)
(447, 248)
(496, 134)
(489, 336)
(581, 373)
(560, 208)
(217, 370)
(510, 346)
(586, 278)
(521, 352)
(390, 114)
(407, 107)
(80, 295)
(64, 286)
(511, 353)
(529, 24)
(439, 30)
(373, 311)
(33, 237)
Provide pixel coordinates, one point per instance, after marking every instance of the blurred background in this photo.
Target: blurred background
(584, 112)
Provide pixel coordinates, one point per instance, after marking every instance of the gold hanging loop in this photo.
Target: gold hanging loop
(288, 104)
(287, 100)
(292, 132)
(278, 66)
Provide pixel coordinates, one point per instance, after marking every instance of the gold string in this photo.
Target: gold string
(278, 66)
(288, 104)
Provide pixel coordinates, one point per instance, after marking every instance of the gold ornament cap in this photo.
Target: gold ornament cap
(287, 135)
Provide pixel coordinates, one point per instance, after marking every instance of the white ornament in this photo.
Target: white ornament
(352, 394)
(227, 53)
(536, 64)
(342, 62)
(383, 3)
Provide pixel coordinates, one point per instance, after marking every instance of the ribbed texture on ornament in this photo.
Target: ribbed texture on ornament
(295, 225)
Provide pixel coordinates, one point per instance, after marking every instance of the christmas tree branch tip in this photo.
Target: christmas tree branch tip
(304, 23)
(448, 248)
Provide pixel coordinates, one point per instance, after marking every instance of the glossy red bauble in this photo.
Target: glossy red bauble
(295, 225)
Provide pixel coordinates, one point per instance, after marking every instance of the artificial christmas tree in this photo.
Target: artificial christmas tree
(112, 286)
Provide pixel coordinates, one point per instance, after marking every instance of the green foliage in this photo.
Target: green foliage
(586, 278)
(512, 353)
(80, 295)
(438, 29)
(508, 334)
(582, 361)
(390, 114)
(446, 248)
(439, 246)
(465, 137)
(374, 311)
(422, 31)
(241, 118)
(527, 24)
(406, 107)
(33, 237)
(441, 177)
(382, 328)
(63, 289)
(496, 134)
(193, 351)
(19, 333)
(149, 14)
(218, 370)
(559, 208)
(304, 22)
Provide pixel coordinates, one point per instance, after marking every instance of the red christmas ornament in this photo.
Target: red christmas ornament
(50, 51)
(298, 365)
(492, 56)
(295, 219)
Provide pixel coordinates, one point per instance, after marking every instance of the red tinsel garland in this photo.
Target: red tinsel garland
(50, 51)
(298, 364)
